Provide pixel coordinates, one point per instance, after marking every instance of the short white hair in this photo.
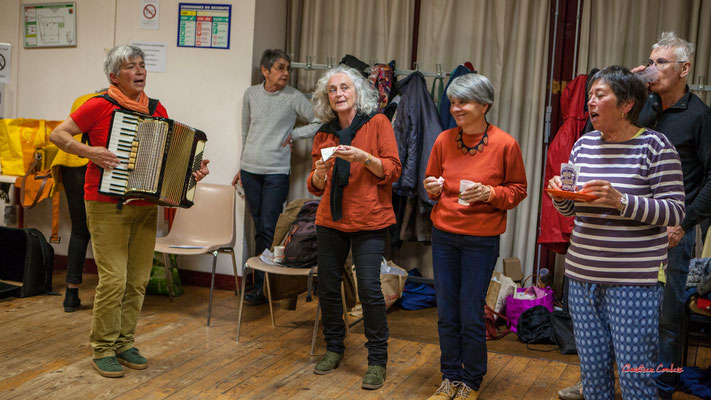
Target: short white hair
(119, 55)
(683, 50)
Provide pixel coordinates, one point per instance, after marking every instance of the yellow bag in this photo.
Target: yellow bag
(36, 185)
(19, 138)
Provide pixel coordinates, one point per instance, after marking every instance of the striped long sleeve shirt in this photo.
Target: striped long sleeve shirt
(624, 248)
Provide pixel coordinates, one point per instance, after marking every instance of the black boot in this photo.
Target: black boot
(71, 299)
(255, 298)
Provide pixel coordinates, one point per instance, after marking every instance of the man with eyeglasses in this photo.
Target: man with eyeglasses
(680, 115)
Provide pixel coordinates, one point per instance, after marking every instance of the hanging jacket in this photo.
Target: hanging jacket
(416, 127)
(445, 117)
(555, 228)
(382, 77)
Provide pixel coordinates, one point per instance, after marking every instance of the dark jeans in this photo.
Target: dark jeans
(671, 320)
(368, 248)
(73, 180)
(462, 267)
(265, 195)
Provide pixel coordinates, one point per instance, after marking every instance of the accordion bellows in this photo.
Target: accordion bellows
(157, 159)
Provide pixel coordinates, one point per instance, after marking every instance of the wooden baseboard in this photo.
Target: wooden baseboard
(192, 278)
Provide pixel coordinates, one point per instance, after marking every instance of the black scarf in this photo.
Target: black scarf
(342, 168)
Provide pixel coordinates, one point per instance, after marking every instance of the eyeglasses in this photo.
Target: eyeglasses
(282, 67)
(661, 63)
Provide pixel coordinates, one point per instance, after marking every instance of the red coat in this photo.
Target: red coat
(555, 228)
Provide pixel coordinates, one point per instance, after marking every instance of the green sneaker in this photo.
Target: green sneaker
(108, 367)
(132, 359)
(374, 378)
(328, 363)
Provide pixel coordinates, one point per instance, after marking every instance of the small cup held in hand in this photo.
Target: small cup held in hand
(648, 75)
(464, 185)
(278, 254)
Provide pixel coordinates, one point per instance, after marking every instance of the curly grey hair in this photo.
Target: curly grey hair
(683, 50)
(119, 55)
(366, 96)
(472, 87)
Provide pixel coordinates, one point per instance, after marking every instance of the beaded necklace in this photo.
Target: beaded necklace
(473, 149)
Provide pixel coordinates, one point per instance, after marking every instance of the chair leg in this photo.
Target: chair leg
(241, 300)
(316, 321)
(269, 298)
(234, 268)
(168, 275)
(345, 310)
(685, 339)
(212, 286)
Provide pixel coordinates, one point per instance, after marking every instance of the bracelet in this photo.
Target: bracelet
(317, 177)
(368, 160)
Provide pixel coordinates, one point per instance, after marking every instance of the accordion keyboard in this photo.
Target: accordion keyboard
(115, 180)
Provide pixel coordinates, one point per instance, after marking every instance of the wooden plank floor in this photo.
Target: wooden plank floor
(45, 354)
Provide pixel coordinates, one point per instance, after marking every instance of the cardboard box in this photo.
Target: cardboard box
(512, 269)
(493, 290)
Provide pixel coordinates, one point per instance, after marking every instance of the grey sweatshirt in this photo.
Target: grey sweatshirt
(267, 120)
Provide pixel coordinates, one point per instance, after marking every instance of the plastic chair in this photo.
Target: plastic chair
(255, 263)
(205, 228)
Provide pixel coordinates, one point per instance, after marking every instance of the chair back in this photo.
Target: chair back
(210, 221)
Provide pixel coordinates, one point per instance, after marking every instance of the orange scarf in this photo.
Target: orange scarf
(141, 105)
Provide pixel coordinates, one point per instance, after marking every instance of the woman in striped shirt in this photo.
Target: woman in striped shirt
(619, 242)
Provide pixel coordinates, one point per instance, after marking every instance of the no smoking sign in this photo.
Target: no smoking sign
(150, 14)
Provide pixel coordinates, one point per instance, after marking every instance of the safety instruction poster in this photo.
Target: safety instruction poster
(50, 24)
(204, 25)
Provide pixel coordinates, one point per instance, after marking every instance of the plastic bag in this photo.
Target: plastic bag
(158, 284)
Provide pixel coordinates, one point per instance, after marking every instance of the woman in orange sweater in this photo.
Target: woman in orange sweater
(356, 208)
(476, 173)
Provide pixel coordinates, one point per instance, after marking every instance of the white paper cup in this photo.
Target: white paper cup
(278, 253)
(464, 185)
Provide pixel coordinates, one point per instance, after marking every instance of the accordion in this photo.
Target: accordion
(157, 159)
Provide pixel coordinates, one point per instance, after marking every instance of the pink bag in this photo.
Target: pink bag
(515, 307)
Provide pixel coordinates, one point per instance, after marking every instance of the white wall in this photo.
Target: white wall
(201, 87)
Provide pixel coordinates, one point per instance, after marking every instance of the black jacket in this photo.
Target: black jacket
(416, 127)
(687, 125)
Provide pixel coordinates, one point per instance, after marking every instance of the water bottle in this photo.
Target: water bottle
(544, 277)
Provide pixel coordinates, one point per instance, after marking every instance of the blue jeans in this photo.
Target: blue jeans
(368, 249)
(265, 195)
(463, 266)
(671, 320)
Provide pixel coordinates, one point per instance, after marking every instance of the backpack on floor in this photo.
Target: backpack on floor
(300, 240)
(534, 326)
(26, 257)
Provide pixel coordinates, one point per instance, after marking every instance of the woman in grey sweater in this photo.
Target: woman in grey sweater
(269, 112)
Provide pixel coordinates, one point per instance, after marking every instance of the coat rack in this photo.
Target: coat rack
(331, 62)
(699, 85)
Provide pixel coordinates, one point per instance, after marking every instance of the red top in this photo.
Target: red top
(94, 118)
(499, 165)
(367, 199)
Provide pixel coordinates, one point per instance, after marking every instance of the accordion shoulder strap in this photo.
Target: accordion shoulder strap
(152, 106)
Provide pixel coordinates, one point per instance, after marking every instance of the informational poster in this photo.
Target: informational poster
(156, 55)
(50, 24)
(204, 25)
(2, 100)
(150, 14)
(5, 62)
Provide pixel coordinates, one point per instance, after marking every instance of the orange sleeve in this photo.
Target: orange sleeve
(434, 166)
(387, 152)
(512, 190)
(315, 156)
